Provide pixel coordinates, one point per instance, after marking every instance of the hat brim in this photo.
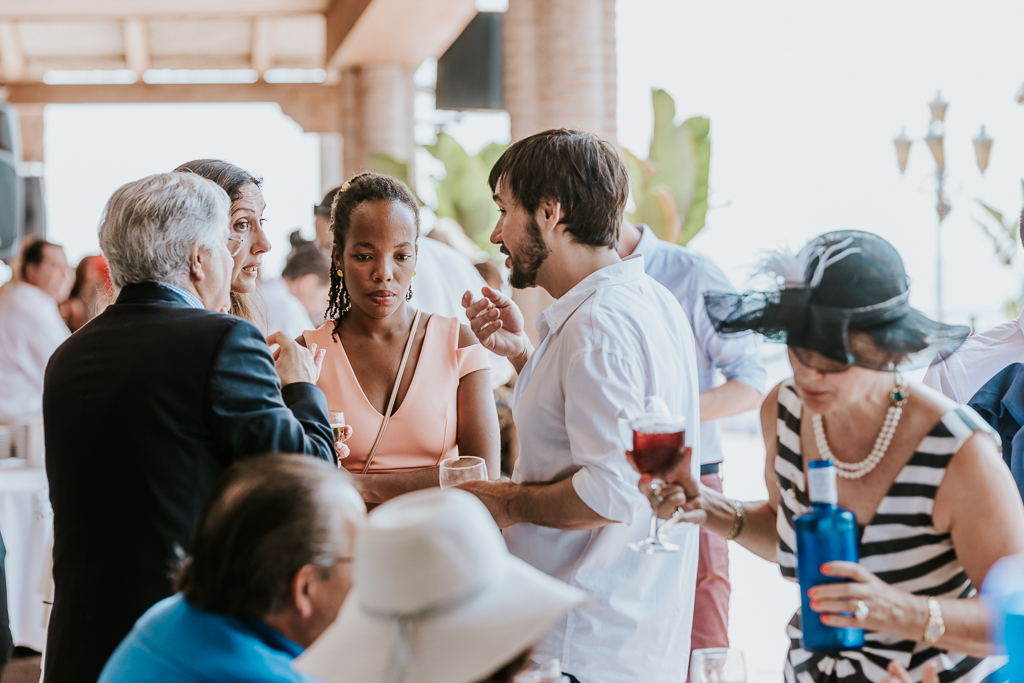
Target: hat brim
(462, 645)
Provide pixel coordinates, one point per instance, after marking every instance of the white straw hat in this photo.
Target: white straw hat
(437, 598)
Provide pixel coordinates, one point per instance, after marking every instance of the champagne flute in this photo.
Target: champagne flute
(717, 665)
(658, 442)
(337, 420)
(454, 471)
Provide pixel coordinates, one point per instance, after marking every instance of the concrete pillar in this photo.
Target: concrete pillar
(377, 115)
(332, 161)
(30, 116)
(560, 66)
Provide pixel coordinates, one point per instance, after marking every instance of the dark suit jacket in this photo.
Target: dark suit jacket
(1001, 403)
(143, 408)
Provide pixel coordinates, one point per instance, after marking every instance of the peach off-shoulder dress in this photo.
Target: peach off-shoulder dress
(422, 431)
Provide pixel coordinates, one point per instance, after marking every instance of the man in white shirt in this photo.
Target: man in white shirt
(31, 327)
(688, 276)
(612, 337)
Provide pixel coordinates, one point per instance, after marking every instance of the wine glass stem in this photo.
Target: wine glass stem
(654, 525)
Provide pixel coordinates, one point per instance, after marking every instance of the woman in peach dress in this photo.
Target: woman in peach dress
(443, 406)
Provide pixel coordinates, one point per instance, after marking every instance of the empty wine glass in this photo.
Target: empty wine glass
(454, 471)
(717, 665)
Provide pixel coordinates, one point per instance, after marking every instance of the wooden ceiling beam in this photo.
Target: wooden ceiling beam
(70, 10)
(136, 46)
(315, 107)
(341, 17)
(261, 55)
(12, 60)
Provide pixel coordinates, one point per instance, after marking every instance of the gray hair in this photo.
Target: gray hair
(150, 227)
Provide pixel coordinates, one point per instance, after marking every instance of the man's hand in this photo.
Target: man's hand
(498, 324)
(295, 363)
(495, 496)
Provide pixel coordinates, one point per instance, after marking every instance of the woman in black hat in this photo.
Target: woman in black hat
(935, 505)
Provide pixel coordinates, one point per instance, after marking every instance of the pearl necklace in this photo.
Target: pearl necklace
(856, 470)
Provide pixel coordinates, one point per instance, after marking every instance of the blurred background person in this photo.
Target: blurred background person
(441, 403)
(437, 598)
(249, 240)
(31, 327)
(688, 276)
(147, 404)
(270, 566)
(91, 293)
(297, 300)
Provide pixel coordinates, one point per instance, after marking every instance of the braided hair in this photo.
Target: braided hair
(361, 188)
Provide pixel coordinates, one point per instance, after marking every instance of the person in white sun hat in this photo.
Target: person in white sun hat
(437, 599)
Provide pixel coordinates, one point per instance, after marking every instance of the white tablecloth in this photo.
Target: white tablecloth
(26, 523)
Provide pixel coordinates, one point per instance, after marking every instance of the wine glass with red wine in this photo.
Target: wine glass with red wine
(658, 442)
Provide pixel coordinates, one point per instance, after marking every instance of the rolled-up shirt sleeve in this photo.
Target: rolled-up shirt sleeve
(603, 386)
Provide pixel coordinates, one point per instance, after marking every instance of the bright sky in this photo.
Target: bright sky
(804, 100)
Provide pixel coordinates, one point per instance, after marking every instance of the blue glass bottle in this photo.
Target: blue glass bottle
(825, 533)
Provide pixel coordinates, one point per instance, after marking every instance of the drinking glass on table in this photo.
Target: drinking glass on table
(454, 471)
(717, 665)
(658, 442)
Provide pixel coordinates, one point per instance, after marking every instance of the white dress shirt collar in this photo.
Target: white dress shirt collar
(648, 244)
(554, 317)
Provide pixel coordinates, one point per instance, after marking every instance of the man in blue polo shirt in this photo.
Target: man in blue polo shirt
(689, 276)
(244, 612)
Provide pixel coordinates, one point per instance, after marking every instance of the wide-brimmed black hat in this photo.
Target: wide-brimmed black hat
(842, 301)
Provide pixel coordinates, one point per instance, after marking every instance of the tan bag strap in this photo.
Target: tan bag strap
(394, 391)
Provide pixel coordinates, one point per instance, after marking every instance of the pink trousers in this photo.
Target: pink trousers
(711, 602)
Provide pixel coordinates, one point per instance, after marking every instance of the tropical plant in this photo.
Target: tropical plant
(1004, 236)
(670, 187)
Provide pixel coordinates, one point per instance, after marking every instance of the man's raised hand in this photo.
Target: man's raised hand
(498, 324)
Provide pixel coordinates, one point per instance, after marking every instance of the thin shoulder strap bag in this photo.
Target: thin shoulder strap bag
(394, 391)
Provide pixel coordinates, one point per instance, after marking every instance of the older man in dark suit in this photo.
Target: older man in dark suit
(147, 404)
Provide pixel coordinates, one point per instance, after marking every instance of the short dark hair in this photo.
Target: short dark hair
(361, 188)
(33, 253)
(578, 169)
(230, 177)
(263, 522)
(306, 258)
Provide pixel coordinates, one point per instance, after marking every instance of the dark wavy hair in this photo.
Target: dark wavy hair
(574, 167)
(232, 179)
(361, 188)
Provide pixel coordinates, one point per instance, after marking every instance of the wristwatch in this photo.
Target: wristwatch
(935, 627)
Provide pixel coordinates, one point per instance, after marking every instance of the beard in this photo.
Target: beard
(532, 255)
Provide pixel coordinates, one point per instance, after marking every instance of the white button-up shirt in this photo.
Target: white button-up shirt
(31, 329)
(979, 359)
(612, 340)
(689, 276)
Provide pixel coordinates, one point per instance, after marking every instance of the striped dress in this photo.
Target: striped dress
(900, 545)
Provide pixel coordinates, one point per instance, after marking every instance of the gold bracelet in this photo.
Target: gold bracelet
(737, 522)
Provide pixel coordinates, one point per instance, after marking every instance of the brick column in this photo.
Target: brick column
(560, 67)
(377, 115)
(559, 71)
(30, 117)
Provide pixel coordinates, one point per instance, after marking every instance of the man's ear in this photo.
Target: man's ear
(301, 591)
(197, 264)
(549, 214)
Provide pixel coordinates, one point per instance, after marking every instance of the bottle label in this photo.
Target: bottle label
(821, 485)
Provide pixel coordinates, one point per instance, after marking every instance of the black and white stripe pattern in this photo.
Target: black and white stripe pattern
(900, 545)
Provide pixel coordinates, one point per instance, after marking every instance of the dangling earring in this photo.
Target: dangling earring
(340, 274)
(408, 295)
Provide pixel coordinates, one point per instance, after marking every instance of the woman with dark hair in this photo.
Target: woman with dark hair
(415, 388)
(935, 505)
(248, 239)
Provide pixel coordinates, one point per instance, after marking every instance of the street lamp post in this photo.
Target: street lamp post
(935, 139)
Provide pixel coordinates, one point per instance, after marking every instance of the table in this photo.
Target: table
(26, 523)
